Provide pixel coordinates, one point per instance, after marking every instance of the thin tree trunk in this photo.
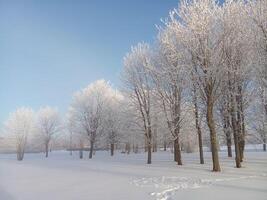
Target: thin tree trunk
(243, 131)
(178, 152)
(201, 156)
(146, 145)
(226, 128)
(199, 133)
(112, 149)
(81, 153)
(46, 149)
(213, 137)
(165, 145)
(149, 154)
(264, 144)
(235, 133)
(91, 149)
(175, 150)
(149, 144)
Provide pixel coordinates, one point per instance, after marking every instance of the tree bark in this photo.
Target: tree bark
(81, 153)
(243, 131)
(178, 151)
(199, 133)
(175, 151)
(112, 149)
(264, 144)
(149, 154)
(46, 149)
(149, 144)
(235, 133)
(201, 156)
(165, 145)
(91, 149)
(226, 128)
(213, 137)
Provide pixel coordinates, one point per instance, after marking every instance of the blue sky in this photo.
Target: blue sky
(51, 48)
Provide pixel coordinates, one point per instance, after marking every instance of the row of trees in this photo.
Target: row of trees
(24, 125)
(213, 56)
(205, 73)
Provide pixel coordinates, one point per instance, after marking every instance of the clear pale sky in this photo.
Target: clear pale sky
(51, 48)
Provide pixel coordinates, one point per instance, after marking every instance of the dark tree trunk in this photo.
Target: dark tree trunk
(149, 144)
(112, 149)
(176, 125)
(242, 125)
(264, 144)
(91, 149)
(201, 156)
(128, 148)
(136, 148)
(235, 133)
(199, 133)
(149, 154)
(146, 149)
(20, 154)
(175, 151)
(81, 154)
(226, 128)
(238, 129)
(178, 149)
(165, 145)
(213, 137)
(46, 149)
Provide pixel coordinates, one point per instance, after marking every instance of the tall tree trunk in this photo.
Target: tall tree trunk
(175, 150)
(46, 149)
(178, 151)
(20, 153)
(240, 124)
(149, 144)
(81, 153)
(226, 129)
(213, 137)
(235, 133)
(146, 149)
(264, 144)
(200, 145)
(165, 145)
(176, 125)
(149, 154)
(112, 149)
(197, 122)
(91, 149)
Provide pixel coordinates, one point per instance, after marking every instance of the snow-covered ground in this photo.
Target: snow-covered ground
(127, 177)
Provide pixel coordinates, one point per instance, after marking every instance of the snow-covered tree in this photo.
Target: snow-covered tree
(88, 108)
(257, 13)
(113, 120)
(19, 127)
(48, 124)
(196, 24)
(138, 87)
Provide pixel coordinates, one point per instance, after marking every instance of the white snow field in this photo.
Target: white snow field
(127, 177)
